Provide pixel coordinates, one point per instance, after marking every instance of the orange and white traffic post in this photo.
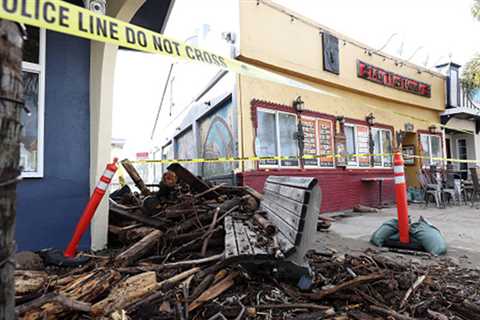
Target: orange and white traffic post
(91, 207)
(401, 198)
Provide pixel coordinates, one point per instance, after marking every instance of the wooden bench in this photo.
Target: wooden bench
(292, 204)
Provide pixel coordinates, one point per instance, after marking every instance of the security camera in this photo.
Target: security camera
(97, 6)
(230, 37)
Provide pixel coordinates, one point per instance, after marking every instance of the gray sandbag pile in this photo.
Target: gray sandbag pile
(422, 234)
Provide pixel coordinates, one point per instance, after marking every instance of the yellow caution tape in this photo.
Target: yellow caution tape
(67, 18)
(305, 157)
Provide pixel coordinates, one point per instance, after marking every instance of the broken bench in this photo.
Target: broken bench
(292, 205)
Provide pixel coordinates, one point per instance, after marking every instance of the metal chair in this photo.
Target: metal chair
(430, 189)
(475, 184)
(449, 188)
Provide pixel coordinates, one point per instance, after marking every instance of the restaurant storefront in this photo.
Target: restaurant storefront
(367, 104)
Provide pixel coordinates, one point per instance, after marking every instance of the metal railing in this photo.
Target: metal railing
(466, 101)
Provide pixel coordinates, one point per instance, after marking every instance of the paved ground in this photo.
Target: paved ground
(460, 225)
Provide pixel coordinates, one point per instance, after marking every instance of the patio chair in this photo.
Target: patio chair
(449, 189)
(475, 185)
(467, 190)
(430, 189)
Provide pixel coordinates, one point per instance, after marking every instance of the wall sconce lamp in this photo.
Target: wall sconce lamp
(370, 119)
(298, 104)
(432, 129)
(400, 137)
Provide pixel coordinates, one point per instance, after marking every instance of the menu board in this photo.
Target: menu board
(363, 146)
(325, 143)
(310, 141)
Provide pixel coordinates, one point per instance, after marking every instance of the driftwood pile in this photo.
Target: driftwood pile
(166, 261)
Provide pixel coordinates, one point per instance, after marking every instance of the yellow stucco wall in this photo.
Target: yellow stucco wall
(270, 39)
(269, 35)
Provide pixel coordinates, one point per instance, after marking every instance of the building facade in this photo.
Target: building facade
(364, 102)
(66, 141)
(382, 100)
(462, 119)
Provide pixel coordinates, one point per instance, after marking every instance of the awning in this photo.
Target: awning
(466, 113)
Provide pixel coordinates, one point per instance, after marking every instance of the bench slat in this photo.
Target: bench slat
(298, 195)
(231, 249)
(295, 221)
(286, 246)
(251, 236)
(290, 232)
(296, 182)
(296, 208)
(243, 243)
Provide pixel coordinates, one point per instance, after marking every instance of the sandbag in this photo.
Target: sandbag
(423, 236)
(384, 232)
(429, 236)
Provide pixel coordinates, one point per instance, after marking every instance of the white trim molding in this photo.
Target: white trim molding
(39, 68)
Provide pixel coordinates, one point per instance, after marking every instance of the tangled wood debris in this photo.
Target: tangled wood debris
(166, 261)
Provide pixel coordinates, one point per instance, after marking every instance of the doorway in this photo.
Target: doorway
(462, 155)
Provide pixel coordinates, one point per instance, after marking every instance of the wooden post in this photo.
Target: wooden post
(11, 94)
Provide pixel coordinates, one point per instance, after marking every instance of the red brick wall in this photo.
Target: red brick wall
(341, 188)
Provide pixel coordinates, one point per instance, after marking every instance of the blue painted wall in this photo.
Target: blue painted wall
(48, 208)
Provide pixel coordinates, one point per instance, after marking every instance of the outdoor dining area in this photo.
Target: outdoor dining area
(446, 186)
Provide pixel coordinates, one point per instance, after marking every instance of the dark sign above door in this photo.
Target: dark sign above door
(331, 61)
(392, 80)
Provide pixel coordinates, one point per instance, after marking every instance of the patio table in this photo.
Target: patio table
(380, 181)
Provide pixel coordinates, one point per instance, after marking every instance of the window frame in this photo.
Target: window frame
(356, 164)
(269, 166)
(40, 70)
(429, 159)
(382, 151)
(277, 139)
(279, 145)
(353, 164)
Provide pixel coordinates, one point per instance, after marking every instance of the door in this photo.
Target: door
(449, 150)
(462, 155)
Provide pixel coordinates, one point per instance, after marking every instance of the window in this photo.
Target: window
(33, 66)
(351, 137)
(276, 137)
(358, 144)
(431, 148)
(382, 148)
(167, 154)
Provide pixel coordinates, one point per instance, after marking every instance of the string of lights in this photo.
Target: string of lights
(398, 62)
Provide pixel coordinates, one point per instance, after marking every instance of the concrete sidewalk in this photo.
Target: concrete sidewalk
(460, 225)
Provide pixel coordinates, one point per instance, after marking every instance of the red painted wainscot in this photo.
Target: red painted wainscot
(341, 189)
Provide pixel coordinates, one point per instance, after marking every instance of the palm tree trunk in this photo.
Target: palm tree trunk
(11, 93)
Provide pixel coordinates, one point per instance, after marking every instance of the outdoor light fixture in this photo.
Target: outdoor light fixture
(432, 129)
(298, 104)
(370, 119)
(400, 137)
(97, 6)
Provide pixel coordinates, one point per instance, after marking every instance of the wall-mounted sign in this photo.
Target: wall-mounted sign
(408, 152)
(392, 80)
(409, 127)
(331, 61)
